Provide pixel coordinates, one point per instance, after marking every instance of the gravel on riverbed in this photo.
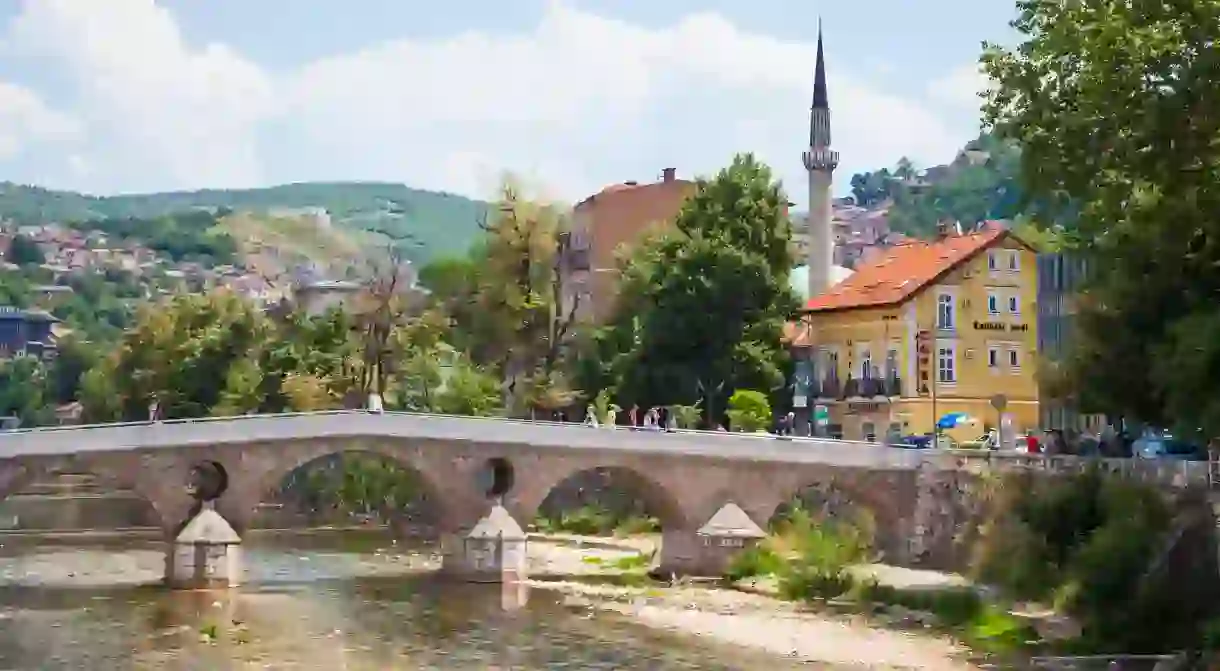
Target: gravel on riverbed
(770, 625)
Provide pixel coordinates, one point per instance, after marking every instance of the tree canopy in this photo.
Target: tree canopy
(702, 309)
(1115, 108)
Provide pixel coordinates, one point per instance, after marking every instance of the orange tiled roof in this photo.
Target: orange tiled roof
(902, 271)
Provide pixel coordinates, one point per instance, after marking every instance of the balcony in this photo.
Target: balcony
(871, 387)
(829, 389)
(851, 388)
(891, 386)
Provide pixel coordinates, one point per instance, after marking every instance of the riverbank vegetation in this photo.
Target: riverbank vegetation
(597, 520)
(1127, 570)
(343, 487)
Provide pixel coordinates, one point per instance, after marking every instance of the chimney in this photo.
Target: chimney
(668, 174)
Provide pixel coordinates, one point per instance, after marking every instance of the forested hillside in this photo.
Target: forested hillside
(981, 183)
(424, 224)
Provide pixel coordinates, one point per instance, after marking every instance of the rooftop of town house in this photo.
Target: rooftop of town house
(9, 312)
(902, 270)
(668, 176)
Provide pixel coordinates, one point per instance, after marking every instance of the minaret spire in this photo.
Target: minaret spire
(820, 100)
(819, 113)
(820, 162)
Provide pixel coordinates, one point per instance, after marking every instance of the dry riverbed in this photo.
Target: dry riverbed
(752, 620)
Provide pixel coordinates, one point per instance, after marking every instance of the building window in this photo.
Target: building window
(891, 363)
(944, 312)
(946, 364)
(866, 364)
(1014, 358)
(832, 364)
(993, 303)
(1014, 260)
(1014, 305)
(993, 357)
(991, 261)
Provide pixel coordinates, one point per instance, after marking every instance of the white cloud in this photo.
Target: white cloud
(961, 87)
(26, 120)
(575, 103)
(163, 114)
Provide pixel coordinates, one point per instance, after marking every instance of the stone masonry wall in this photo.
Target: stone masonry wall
(947, 511)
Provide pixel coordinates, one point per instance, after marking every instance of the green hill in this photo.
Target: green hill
(423, 224)
(981, 183)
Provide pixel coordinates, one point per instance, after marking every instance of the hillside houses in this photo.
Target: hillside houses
(69, 251)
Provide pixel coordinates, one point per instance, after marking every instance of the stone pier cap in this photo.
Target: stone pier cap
(732, 522)
(208, 528)
(497, 524)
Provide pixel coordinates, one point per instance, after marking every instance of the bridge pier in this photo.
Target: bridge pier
(494, 551)
(205, 555)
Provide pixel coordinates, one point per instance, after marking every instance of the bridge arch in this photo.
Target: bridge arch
(827, 499)
(17, 478)
(873, 504)
(627, 491)
(251, 488)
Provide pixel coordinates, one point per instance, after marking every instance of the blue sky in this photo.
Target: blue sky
(136, 95)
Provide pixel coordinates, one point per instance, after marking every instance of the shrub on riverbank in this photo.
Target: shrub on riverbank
(590, 520)
(810, 558)
(1136, 571)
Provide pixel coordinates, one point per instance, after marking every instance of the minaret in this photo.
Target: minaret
(820, 161)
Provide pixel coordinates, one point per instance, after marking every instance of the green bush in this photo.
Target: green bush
(1097, 547)
(819, 554)
(982, 626)
(594, 520)
(756, 561)
(637, 524)
(749, 411)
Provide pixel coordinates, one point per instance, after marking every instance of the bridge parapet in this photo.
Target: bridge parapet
(412, 426)
(1163, 472)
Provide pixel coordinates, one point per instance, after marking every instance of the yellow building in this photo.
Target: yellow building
(927, 330)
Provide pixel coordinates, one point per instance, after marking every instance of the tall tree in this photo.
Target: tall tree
(521, 298)
(704, 307)
(385, 305)
(217, 354)
(1115, 107)
(25, 391)
(179, 356)
(23, 251)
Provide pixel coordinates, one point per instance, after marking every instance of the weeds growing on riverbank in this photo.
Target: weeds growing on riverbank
(812, 560)
(1135, 568)
(1126, 569)
(592, 520)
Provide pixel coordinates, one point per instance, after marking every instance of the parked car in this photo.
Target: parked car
(924, 442)
(1167, 447)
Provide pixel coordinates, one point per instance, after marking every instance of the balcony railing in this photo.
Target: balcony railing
(871, 387)
(829, 388)
(851, 388)
(892, 387)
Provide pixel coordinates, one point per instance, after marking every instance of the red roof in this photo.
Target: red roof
(903, 270)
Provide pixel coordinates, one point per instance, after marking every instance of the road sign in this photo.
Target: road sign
(821, 415)
(999, 402)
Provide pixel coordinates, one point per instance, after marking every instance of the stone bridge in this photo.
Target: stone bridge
(467, 463)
